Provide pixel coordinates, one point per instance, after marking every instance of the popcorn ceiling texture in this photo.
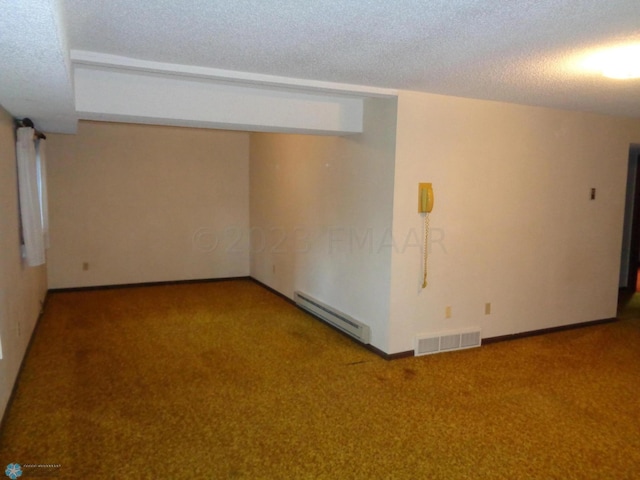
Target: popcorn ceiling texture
(517, 51)
(35, 78)
(522, 51)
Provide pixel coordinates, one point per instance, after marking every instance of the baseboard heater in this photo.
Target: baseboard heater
(341, 321)
(447, 341)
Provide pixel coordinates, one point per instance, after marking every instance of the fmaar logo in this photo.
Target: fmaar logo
(13, 471)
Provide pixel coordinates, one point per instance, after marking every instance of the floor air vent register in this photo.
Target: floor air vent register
(447, 341)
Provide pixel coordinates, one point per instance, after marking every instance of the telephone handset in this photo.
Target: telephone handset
(425, 205)
(425, 197)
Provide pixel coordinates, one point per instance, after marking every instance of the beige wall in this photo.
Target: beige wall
(321, 211)
(512, 223)
(336, 217)
(22, 288)
(146, 204)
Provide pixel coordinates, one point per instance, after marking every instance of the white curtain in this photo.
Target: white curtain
(30, 211)
(42, 189)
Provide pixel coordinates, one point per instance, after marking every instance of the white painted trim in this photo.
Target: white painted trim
(83, 57)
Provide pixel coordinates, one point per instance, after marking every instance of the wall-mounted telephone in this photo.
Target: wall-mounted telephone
(425, 197)
(425, 205)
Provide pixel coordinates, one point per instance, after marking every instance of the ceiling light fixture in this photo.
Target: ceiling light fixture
(621, 63)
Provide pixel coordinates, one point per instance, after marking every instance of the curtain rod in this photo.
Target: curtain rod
(27, 122)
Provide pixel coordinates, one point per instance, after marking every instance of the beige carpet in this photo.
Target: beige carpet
(226, 380)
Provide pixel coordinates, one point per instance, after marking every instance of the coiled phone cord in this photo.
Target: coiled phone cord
(425, 249)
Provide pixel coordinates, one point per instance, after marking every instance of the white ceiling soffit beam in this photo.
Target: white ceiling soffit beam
(82, 57)
(115, 88)
(34, 59)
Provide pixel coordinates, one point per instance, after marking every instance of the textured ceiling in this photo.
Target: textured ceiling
(522, 51)
(518, 51)
(35, 76)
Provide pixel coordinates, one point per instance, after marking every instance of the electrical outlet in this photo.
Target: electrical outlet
(447, 312)
(487, 308)
(273, 269)
(85, 266)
